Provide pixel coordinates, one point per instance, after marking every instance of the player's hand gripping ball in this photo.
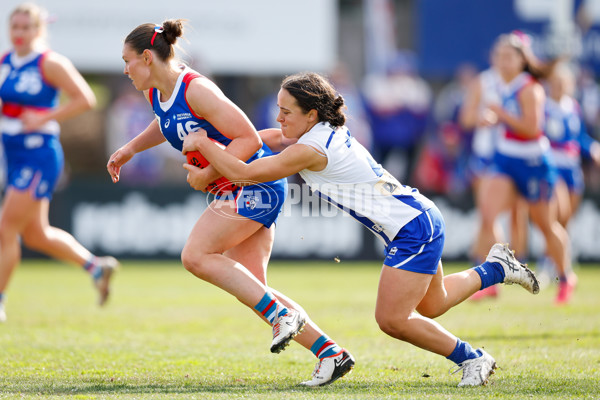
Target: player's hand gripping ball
(219, 186)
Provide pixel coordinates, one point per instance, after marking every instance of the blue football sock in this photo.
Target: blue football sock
(463, 351)
(324, 347)
(1, 297)
(490, 273)
(268, 305)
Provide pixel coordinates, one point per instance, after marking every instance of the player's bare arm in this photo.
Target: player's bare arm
(469, 112)
(149, 137)
(290, 161)
(209, 102)
(274, 138)
(528, 124)
(61, 73)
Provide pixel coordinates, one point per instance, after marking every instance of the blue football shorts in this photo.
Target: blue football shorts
(261, 202)
(34, 163)
(534, 178)
(419, 244)
(573, 177)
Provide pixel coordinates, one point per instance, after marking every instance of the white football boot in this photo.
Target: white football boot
(514, 271)
(476, 371)
(108, 265)
(330, 369)
(285, 328)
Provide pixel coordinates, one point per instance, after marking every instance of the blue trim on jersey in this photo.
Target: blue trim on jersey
(412, 202)
(360, 218)
(329, 140)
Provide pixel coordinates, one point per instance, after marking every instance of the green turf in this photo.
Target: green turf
(168, 335)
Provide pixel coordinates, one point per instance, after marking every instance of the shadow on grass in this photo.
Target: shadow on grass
(419, 389)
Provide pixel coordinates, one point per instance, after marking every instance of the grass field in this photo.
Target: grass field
(168, 335)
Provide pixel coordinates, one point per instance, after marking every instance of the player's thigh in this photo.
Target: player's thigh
(436, 292)
(399, 293)
(254, 252)
(575, 201)
(497, 194)
(19, 208)
(543, 214)
(563, 199)
(219, 229)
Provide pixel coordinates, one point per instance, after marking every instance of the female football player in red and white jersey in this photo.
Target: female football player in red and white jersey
(31, 77)
(230, 244)
(523, 165)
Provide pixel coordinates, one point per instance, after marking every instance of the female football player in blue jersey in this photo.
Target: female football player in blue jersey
(569, 141)
(31, 77)
(412, 286)
(230, 244)
(475, 115)
(523, 161)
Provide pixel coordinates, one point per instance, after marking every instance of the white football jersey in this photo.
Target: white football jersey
(484, 137)
(355, 183)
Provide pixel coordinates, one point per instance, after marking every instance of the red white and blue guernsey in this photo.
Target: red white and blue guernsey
(568, 139)
(407, 222)
(260, 202)
(526, 160)
(34, 159)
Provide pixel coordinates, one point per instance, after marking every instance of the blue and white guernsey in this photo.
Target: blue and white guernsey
(355, 183)
(485, 137)
(566, 131)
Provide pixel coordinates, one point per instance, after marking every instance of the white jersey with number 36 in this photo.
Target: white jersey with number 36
(355, 183)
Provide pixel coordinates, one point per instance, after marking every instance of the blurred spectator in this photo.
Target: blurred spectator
(356, 120)
(588, 96)
(265, 115)
(447, 149)
(397, 106)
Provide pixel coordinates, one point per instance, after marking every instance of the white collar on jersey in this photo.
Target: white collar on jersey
(18, 61)
(166, 105)
(508, 88)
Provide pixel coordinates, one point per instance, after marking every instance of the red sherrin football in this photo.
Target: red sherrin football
(220, 185)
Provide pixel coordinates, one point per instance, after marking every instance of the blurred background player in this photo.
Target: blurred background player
(475, 114)
(412, 287)
(31, 77)
(522, 164)
(230, 244)
(565, 128)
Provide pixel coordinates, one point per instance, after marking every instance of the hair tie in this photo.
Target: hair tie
(157, 29)
(522, 38)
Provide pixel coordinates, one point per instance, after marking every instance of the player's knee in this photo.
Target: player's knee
(392, 325)
(192, 261)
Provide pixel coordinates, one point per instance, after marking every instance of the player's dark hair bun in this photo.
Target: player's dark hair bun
(173, 28)
(150, 36)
